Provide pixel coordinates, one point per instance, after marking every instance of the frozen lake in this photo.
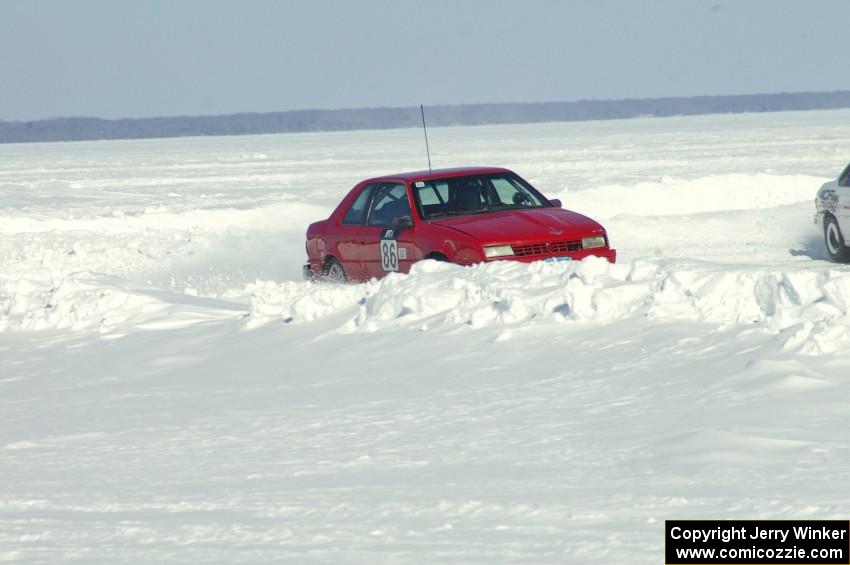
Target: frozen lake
(171, 391)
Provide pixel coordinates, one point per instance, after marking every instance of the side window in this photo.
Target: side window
(357, 212)
(390, 202)
(844, 179)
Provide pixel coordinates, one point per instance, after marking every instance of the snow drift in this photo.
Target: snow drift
(808, 309)
(100, 303)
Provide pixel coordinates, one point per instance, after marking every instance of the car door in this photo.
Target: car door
(351, 233)
(842, 202)
(387, 250)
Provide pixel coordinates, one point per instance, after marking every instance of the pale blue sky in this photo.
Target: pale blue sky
(168, 57)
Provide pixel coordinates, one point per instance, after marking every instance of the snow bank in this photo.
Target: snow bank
(211, 248)
(807, 308)
(79, 301)
(675, 196)
(108, 305)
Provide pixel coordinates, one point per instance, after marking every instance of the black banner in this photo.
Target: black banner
(757, 542)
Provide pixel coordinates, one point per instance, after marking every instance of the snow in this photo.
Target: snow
(805, 311)
(171, 391)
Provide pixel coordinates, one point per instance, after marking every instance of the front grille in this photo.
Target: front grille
(546, 248)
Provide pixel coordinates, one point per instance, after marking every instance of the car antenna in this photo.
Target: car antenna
(425, 131)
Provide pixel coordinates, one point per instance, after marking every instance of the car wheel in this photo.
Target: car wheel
(438, 257)
(835, 247)
(334, 271)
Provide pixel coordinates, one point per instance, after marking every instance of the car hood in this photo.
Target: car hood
(536, 224)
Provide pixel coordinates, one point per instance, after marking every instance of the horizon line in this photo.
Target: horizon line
(416, 106)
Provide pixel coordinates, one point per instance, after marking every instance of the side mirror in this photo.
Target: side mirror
(556, 202)
(402, 222)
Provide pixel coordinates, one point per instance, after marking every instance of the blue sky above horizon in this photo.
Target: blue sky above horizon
(116, 59)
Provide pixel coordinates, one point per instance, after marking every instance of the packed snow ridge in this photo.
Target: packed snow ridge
(807, 308)
(108, 305)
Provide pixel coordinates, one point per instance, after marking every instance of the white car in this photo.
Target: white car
(833, 215)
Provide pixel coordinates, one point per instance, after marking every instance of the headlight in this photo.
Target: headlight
(498, 251)
(591, 242)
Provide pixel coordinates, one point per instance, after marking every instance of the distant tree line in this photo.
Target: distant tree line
(74, 129)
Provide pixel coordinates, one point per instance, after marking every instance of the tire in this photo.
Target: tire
(438, 257)
(334, 271)
(834, 241)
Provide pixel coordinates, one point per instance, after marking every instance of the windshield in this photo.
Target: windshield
(477, 194)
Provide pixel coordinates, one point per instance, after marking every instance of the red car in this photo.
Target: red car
(465, 216)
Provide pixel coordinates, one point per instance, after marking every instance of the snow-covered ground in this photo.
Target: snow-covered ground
(170, 391)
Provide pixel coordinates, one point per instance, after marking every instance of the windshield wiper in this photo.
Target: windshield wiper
(433, 215)
(511, 207)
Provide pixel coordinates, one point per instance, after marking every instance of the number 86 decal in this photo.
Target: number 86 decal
(389, 255)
